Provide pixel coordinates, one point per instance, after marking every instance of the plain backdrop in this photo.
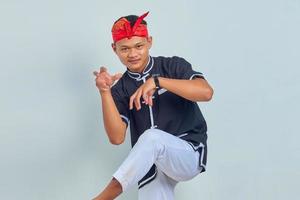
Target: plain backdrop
(52, 140)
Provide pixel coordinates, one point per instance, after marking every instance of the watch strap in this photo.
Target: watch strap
(156, 81)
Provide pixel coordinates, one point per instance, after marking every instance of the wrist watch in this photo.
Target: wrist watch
(156, 81)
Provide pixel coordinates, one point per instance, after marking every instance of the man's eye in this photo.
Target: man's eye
(139, 46)
(124, 49)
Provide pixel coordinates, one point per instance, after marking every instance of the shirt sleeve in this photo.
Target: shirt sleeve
(121, 102)
(182, 69)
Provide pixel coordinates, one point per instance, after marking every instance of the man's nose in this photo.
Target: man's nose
(132, 52)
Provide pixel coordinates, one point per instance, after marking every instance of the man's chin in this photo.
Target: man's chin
(134, 68)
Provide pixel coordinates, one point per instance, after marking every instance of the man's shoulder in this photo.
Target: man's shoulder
(171, 60)
(119, 84)
(167, 58)
(169, 64)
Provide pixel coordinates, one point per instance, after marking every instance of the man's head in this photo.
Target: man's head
(132, 42)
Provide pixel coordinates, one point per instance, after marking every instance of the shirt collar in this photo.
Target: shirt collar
(139, 76)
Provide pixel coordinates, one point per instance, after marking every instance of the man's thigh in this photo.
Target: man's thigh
(178, 160)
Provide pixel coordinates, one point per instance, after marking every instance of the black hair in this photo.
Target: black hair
(132, 19)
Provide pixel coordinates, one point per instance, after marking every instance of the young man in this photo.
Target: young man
(156, 97)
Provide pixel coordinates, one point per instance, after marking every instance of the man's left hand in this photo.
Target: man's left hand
(145, 92)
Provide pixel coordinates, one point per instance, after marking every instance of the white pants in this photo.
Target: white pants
(175, 159)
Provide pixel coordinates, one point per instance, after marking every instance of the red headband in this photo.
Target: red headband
(122, 29)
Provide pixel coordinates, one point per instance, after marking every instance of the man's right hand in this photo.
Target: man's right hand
(114, 125)
(104, 80)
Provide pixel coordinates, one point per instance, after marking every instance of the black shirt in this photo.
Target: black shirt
(170, 112)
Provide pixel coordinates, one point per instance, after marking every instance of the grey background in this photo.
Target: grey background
(52, 141)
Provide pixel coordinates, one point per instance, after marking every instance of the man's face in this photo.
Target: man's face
(133, 52)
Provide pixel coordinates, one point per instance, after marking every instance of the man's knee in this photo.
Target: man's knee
(151, 136)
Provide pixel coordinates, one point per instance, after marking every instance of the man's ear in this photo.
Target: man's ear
(149, 40)
(113, 46)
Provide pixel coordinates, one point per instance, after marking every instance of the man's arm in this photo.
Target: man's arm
(195, 90)
(114, 126)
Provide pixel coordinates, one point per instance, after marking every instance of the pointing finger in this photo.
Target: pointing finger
(137, 100)
(131, 101)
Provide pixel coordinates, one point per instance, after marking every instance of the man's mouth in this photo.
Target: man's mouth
(134, 61)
